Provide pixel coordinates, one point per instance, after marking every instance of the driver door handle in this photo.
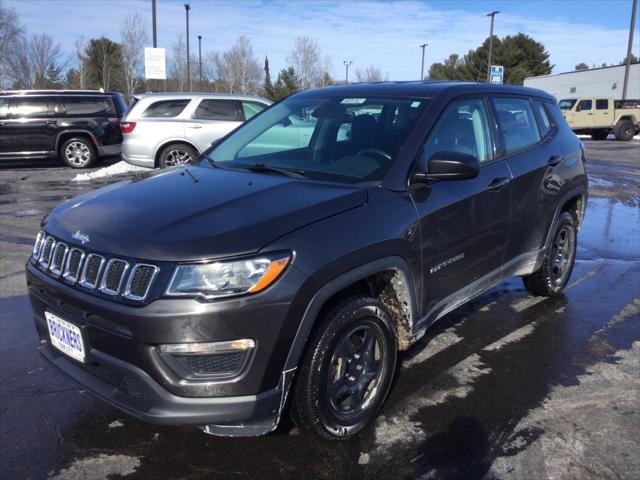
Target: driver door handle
(195, 126)
(498, 184)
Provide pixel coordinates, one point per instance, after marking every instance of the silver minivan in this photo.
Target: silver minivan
(168, 129)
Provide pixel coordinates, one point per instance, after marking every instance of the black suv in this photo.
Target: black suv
(287, 268)
(78, 126)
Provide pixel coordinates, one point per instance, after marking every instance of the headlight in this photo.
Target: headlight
(223, 279)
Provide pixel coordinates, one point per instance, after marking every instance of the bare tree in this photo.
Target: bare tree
(35, 62)
(371, 74)
(82, 69)
(237, 70)
(305, 59)
(133, 38)
(327, 66)
(178, 63)
(10, 35)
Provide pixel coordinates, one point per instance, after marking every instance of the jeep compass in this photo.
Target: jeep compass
(286, 268)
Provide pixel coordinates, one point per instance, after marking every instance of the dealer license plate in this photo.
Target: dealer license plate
(65, 336)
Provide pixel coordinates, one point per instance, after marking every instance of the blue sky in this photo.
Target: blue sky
(381, 33)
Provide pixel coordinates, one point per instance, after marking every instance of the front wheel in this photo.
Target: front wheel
(347, 371)
(558, 261)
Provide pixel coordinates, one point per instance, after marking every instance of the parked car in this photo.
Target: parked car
(599, 117)
(169, 129)
(78, 126)
(264, 277)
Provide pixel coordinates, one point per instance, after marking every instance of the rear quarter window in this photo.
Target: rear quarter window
(211, 109)
(543, 116)
(166, 108)
(90, 106)
(517, 123)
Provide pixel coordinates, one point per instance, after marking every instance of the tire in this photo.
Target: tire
(558, 261)
(338, 361)
(599, 134)
(624, 130)
(78, 152)
(177, 154)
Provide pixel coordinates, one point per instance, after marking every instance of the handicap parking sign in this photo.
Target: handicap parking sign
(497, 74)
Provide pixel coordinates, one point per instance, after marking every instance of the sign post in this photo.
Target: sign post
(497, 74)
(154, 64)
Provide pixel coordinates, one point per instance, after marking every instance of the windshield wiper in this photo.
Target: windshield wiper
(290, 172)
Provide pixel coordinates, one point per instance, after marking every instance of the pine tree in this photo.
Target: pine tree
(268, 86)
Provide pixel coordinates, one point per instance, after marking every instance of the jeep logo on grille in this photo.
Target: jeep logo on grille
(83, 238)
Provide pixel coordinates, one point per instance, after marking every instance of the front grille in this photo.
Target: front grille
(47, 251)
(58, 258)
(113, 276)
(74, 262)
(121, 381)
(140, 281)
(91, 270)
(222, 364)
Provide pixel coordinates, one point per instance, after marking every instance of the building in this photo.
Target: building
(595, 82)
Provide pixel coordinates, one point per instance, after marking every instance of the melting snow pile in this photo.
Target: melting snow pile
(116, 168)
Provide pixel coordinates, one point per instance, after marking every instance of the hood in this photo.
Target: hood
(197, 213)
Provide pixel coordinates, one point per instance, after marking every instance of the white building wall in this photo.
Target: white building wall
(598, 82)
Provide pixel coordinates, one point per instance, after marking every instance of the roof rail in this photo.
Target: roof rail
(47, 91)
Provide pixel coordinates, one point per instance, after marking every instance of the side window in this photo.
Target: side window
(210, 109)
(252, 108)
(166, 108)
(89, 106)
(602, 104)
(463, 127)
(4, 107)
(545, 123)
(518, 125)
(30, 107)
(584, 105)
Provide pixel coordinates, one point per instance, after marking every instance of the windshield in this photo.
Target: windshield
(567, 103)
(350, 140)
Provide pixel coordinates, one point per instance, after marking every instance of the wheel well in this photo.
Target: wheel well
(390, 288)
(625, 118)
(66, 136)
(171, 142)
(575, 206)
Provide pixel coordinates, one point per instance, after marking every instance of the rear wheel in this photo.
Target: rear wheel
(78, 152)
(557, 264)
(599, 134)
(347, 371)
(624, 130)
(177, 154)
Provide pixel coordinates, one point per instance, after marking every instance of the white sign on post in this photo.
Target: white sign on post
(497, 74)
(154, 64)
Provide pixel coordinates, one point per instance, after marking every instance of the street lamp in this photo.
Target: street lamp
(200, 58)
(422, 66)
(492, 14)
(347, 64)
(187, 7)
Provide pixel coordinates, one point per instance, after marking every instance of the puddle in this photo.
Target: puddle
(610, 230)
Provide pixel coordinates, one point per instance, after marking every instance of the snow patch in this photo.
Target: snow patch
(436, 345)
(100, 467)
(575, 428)
(513, 337)
(364, 459)
(116, 424)
(527, 302)
(115, 169)
(456, 382)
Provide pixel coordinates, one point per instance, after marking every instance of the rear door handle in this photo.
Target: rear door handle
(498, 184)
(195, 126)
(554, 160)
(49, 122)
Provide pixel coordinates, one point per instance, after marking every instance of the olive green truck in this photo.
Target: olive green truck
(599, 117)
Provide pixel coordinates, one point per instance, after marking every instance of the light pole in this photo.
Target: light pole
(422, 65)
(347, 64)
(200, 58)
(153, 23)
(629, 47)
(187, 7)
(492, 14)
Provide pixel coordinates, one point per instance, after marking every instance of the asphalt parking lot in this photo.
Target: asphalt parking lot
(509, 386)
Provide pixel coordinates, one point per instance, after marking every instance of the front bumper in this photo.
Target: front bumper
(124, 367)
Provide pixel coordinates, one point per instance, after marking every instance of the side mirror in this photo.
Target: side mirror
(449, 166)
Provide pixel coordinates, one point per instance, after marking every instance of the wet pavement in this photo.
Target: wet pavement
(509, 386)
